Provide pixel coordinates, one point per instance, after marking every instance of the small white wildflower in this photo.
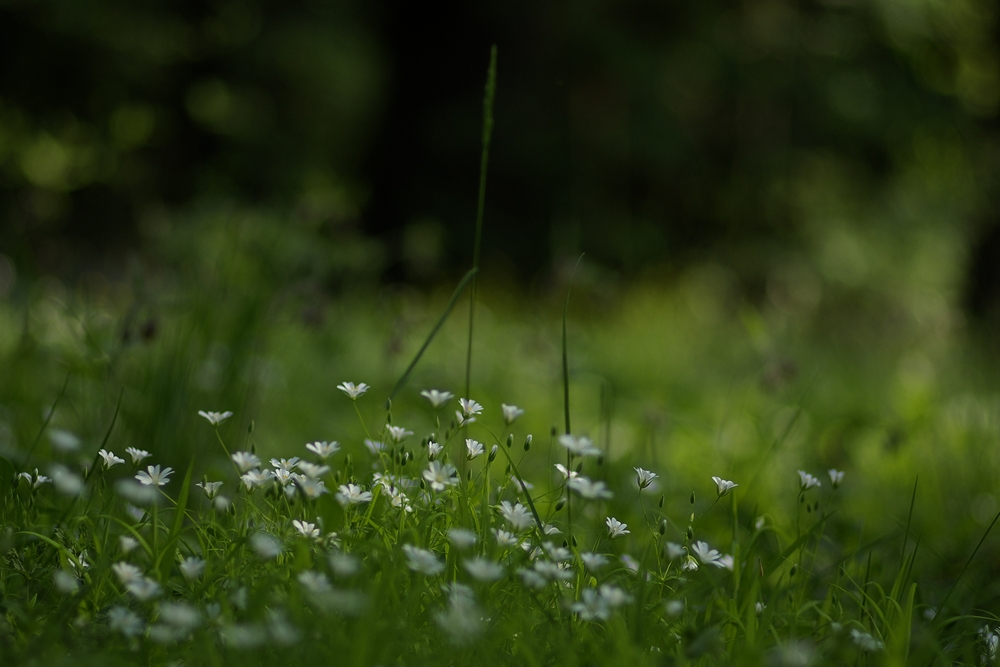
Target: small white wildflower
(314, 582)
(462, 538)
(462, 621)
(549, 529)
(593, 561)
(690, 564)
(674, 608)
(422, 560)
(126, 572)
(727, 562)
(505, 539)
(433, 449)
(614, 596)
(64, 441)
(723, 486)
(674, 551)
(306, 529)
(284, 476)
(211, 489)
(256, 478)
(65, 583)
(311, 470)
(759, 607)
(590, 489)
(66, 481)
(533, 579)
(510, 413)
(483, 569)
(566, 473)
(343, 565)
(285, 464)
(125, 621)
(399, 499)
(137, 455)
(616, 528)
(631, 564)
(192, 567)
(470, 408)
(180, 615)
(143, 588)
(463, 420)
(352, 494)
(836, 477)
(553, 571)
(267, 547)
(807, 481)
(707, 555)
(374, 447)
(590, 606)
(437, 398)
(579, 446)
(245, 461)
(127, 544)
(352, 390)
(398, 433)
(35, 481)
(110, 460)
(473, 449)
(865, 641)
(557, 553)
(517, 515)
(324, 449)
(215, 418)
(440, 475)
(311, 488)
(643, 478)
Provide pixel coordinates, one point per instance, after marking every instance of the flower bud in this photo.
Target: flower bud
(560, 503)
(661, 501)
(510, 440)
(527, 443)
(493, 453)
(692, 497)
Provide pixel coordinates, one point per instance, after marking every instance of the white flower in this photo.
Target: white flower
(110, 460)
(807, 481)
(266, 546)
(314, 582)
(592, 561)
(137, 455)
(324, 449)
(399, 499)
(351, 494)
(566, 473)
(553, 571)
(727, 562)
(724, 486)
(437, 398)
(211, 489)
(707, 555)
(590, 606)
(433, 449)
(285, 464)
(579, 446)
(352, 390)
(510, 413)
(616, 528)
(127, 544)
(836, 477)
(153, 476)
(245, 461)
(285, 476)
(631, 564)
(590, 489)
(674, 551)
(643, 478)
(143, 588)
(125, 621)
(674, 608)
(557, 553)
(549, 529)
(311, 488)
(440, 475)
(865, 641)
(374, 447)
(215, 418)
(126, 572)
(192, 567)
(64, 441)
(35, 482)
(690, 564)
(66, 481)
(483, 569)
(473, 449)
(469, 407)
(462, 538)
(311, 470)
(462, 620)
(505, 539)
(256, 478)
(344, 565)
(398, 433)
(306, 529)
(759, 607)
(422, 560)
(516, 515)
(463, 420)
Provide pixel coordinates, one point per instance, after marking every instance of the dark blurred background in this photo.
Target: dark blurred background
(852, 141)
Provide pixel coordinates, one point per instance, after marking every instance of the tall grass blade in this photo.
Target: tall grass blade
(565, 346)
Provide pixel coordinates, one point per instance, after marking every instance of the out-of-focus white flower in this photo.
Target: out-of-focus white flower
(590, 606)
(192, 567)
(807, 481)
(137, 455)
(631, 564)
(374, 446)
(437, 398)
(65, 583)
(674, 608)
(616, 528)
(398, 433)
(590, 489)
(674, 551)
(324, 449)
(557, 553)
(462, 538)
(64, 441)
(127, 544)
(593, 561)
(462, 620)
(566, 473)
(352, 494)
(463, 420)
(510, 413)
(422, 560)
(553, 571)
(126, 572)
(440, 476)
(433, 449)
(245, 461)
(836, 477)
(643, 478)
(723, 486)
(306, 529)
(759, 607)
(517, 515)
(143, 588)
(470, 408)
(343, 565)
(211, 489)
(505, 539)
(215, 418)
(579, 445)
(707, 555)
(727, 562)
(66, 481)
(311, 488)
(865, 641)
(125, 621)
(483, 569)
(35, 481)
(353, 390)
(266, 546)
(311, 470)
(399, 499)
(256, 478)
(473, 449)
(110, 460)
